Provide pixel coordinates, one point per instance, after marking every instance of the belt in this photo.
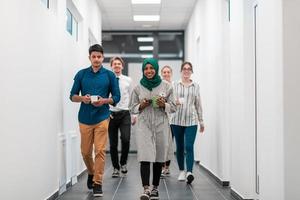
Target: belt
(120, 112)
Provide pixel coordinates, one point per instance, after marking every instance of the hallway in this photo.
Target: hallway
(204, 186)
(246, 60)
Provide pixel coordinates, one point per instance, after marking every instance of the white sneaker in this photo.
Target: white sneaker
(124, 170)
(115, 173)
(166, 172)
(189, 177)
(181, 176)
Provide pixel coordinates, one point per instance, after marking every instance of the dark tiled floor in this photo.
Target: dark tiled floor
(129, 188)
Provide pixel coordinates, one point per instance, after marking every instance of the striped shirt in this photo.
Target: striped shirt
(189, 112)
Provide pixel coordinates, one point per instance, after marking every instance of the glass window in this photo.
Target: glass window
(69, 21)
(75, 28)
(46, 3)
(134, 46)
(72, 25)
(158, 44)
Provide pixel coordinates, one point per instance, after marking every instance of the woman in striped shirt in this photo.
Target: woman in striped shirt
(185, 121)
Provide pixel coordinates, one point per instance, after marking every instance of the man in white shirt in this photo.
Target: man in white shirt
(120, 119)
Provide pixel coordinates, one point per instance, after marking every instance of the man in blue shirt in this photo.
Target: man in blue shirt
(95, 88)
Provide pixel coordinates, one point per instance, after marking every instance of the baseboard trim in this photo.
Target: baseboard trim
(217, 179)
(69, 185)
(53, 196)
(233, 193)
(79, 176)
(236, 196)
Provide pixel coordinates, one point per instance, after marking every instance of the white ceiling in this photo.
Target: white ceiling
(118, 14)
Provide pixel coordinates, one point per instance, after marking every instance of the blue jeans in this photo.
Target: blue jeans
(185, 138)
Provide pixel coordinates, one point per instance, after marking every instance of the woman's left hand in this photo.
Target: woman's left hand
(161, 101)
(201, 128)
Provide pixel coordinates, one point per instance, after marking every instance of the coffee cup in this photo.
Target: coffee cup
(94, 98)
(154, 101)
(181, 100)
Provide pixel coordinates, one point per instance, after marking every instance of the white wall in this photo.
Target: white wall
(38, 61)
(207, 47)
(270, 100)
(242, 96)
(291, 71)
(230, 122)
(277, 97)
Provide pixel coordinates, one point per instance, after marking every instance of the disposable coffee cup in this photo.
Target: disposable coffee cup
(181, 100)
(154, 102)
(94, 98)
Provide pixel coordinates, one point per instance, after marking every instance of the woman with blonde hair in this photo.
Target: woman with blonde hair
(166, 73)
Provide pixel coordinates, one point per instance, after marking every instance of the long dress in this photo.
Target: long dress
(153, 123)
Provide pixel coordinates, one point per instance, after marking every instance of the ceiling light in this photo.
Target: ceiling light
(145, 1)
(145, 39)
(147, 56)
(145, 48)
(147, 25)
(146, 18)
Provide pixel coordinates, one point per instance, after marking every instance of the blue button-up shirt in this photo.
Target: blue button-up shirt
(101, 83)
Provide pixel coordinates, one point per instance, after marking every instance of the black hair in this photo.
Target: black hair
(96, 47)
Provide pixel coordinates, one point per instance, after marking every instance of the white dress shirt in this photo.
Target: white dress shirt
(125, 84)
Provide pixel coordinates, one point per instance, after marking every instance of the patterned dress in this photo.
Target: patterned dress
(152, 128)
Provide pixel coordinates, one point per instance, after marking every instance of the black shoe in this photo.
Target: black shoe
(97, 190)
(154, 194)
(90, 181)
(189, 178)
(145, 195)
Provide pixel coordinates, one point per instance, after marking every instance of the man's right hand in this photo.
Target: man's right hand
(86, 99)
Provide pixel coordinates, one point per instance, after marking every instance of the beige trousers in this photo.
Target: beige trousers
(94, 136)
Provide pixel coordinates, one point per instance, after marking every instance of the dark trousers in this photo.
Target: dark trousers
(120, 121)
(145, 173)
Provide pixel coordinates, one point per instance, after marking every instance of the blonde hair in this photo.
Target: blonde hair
(117, 58)
(166, 66)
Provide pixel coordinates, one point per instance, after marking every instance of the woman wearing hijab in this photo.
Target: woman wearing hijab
(152, 99)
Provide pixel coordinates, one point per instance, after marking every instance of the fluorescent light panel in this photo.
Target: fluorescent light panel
(147, 25)
(145, 1)
(145, 39)
(147, 56)
(146, 18)
(145, 48)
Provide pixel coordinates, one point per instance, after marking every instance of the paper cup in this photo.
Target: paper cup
(181, 100)
(94, 98)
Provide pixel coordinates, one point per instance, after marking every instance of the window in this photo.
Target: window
(134, 46)
(72, 25)
(137, 45)
(46, 3)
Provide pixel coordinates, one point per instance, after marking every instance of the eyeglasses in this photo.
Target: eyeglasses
(186, 69)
